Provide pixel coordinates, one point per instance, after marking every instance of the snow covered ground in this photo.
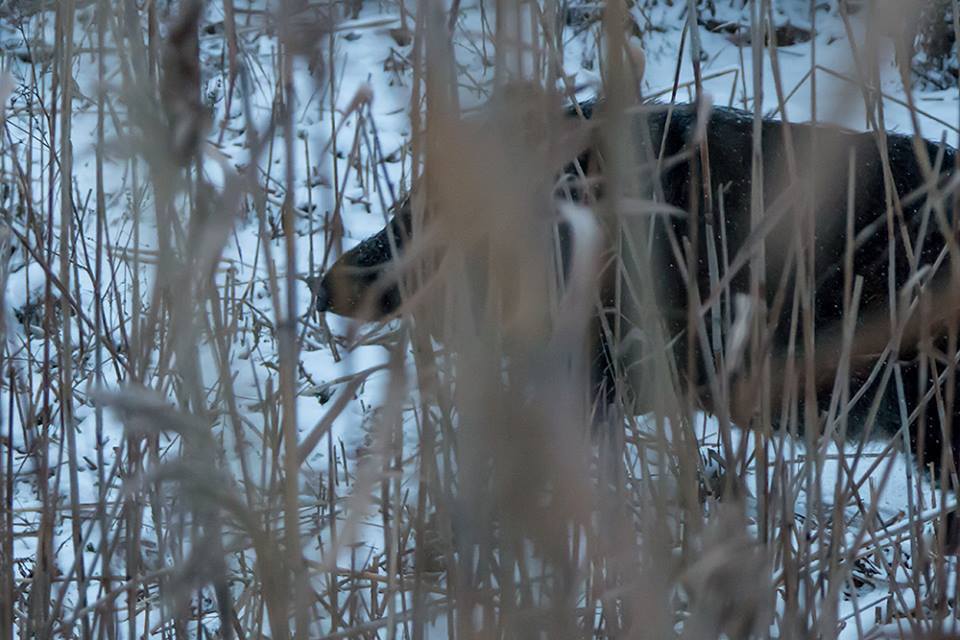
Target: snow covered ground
(370, 60)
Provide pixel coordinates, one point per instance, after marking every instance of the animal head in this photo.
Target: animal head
(363, 282)
(486, 207)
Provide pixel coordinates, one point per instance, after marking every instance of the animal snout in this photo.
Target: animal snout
(321, 296)
(320, 291)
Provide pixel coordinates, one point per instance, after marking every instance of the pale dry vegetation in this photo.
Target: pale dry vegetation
(173, 172)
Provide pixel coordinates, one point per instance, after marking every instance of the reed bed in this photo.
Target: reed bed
(189, 450)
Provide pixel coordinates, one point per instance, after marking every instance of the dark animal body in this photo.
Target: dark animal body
(807, 191)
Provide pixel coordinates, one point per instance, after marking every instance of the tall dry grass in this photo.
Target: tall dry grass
(523, 508)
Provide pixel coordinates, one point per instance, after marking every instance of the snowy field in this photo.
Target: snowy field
(161, 374)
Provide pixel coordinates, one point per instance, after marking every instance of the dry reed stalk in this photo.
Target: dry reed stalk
(506, 502)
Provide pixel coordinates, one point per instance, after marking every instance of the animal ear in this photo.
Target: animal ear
(575, 321)
(583, 249)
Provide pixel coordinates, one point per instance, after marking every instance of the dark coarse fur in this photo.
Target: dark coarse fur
(805, 191)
